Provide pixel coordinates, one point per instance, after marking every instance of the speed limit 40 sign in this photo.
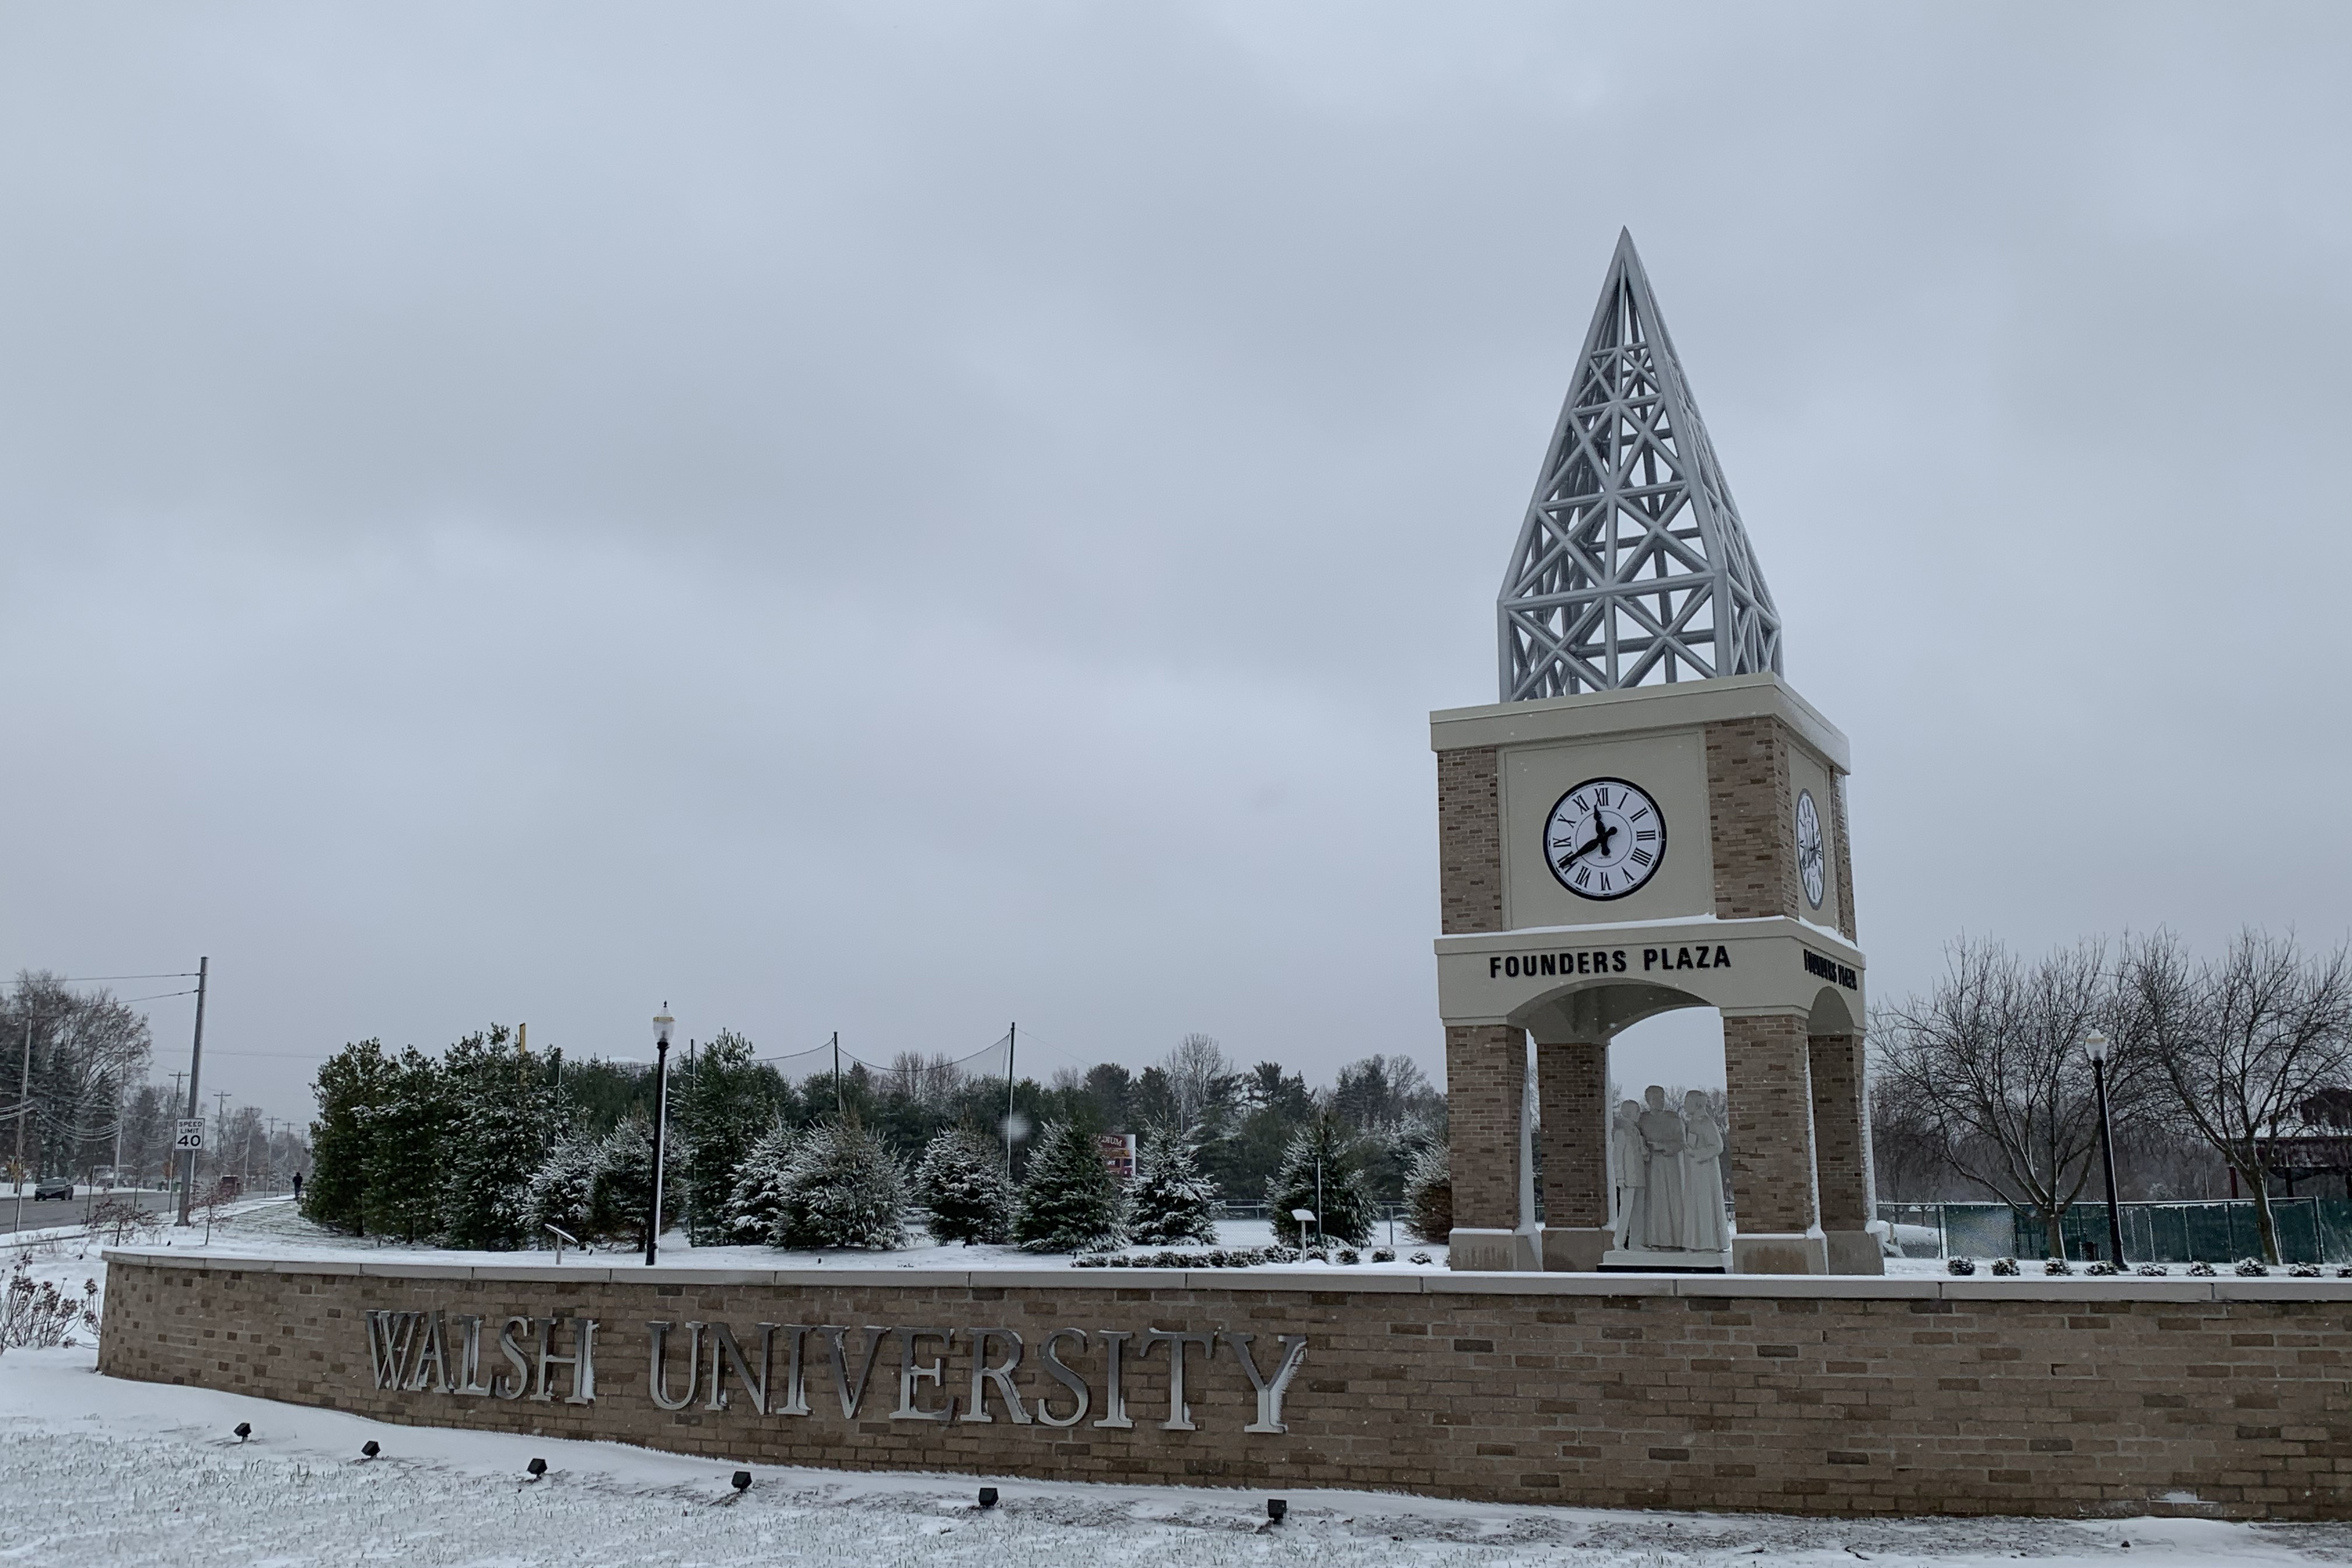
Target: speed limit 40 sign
(191, 1134)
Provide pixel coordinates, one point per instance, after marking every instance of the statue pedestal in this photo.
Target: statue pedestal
(1635, 1261)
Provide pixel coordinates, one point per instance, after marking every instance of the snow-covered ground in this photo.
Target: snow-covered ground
(271, 1227)
(97, 1471)
(94, 1471)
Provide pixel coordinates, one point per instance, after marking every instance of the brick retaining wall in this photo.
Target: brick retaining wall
(1811, 1396)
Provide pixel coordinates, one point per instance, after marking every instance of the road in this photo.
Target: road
(59, 1211)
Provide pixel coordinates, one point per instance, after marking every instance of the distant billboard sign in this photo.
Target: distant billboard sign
(1117, 1153)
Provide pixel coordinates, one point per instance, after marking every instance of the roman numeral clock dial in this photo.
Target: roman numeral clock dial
(1809, 847)
(1605, 838)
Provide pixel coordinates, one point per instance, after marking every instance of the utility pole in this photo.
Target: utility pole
(195, 1064)
(171, 1151)
(1012, 1038)
(838, 1113)
(220, 1146)
(24, 1104)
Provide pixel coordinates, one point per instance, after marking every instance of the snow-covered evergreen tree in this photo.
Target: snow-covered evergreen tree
(717, 1112)
(1172, 1203)
(844, 1188)
(1070, 1201)
(408, 1136)
(1429, 1193)
(349, 1086)
(625, 1175)
(497, 1138)
(564, 1189)
(962, 1181)
(755, 1208)
(1345, 1203)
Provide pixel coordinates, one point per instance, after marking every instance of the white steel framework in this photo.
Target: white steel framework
(1632, 567)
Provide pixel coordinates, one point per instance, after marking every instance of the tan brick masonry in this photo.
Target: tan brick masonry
(1485, 1076)
(1876, 1396)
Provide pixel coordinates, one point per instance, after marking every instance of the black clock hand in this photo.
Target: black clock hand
(1603, 833)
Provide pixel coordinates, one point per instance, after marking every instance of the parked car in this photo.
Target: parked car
(62, 1187)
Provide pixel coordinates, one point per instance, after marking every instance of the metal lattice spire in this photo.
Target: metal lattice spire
(1632, 567)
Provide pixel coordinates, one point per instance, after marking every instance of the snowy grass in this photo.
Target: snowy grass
(272, 1228)
(95, 1470)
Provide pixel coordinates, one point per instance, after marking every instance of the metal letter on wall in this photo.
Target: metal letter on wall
(1001, 1374)
(1061, 1373)
(658, 1380)
(1269, 1389)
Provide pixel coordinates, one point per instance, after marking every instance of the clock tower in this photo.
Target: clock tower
(1650, 818)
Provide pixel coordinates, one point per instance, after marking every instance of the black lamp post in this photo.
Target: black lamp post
(2095, 1045)
(661, 1022)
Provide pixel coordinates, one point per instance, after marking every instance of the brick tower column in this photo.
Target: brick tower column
(1767, 1065)
(1572, 1094)
(1841, 1137)
(1486, 1072)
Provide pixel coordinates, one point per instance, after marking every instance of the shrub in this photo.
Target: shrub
(2201, 1270)
(2305, 1272)
(756, 1207)
(1070, 1201)
(1423, 1257)
(1172, 1201)
(1962, 1266)
(2100, 1267)
(42, 1317)
(2005, 1267)
(2252, 1267)
(1323, 1171)
(2153, 1270)
(961, 1180)
(1429, 1193)
(1384, 1255)
(844, 1189)
(2056, 1266)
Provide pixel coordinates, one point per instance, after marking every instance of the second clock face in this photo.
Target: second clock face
(1605, 838)
(1810, 846)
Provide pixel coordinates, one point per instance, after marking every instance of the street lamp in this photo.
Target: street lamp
(661, 1022)
(2095, 1046)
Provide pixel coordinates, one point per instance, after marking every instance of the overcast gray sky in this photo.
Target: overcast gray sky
(898, 519)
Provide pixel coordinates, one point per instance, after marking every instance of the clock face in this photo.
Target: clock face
(1605, 838)
(1809, 847)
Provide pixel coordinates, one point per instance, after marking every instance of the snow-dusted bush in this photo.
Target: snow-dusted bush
(2201, 1270)
(1070, 1201)
(495, 1142)
(2305, 1272)
(2100, 1267)
(2153, 1270)
(844, 1188)
(2252, 1267)
(2005, 1267)
(2056, 1266)
(961, 1180)
(1172, 1201)
(755, 1204)
(1423, 1257)
(1429, 1193)
(1384, 1255)
(42, 1317)
(562, 1191)
(1962, 1266)
(1321, 1170)
(624, 1182)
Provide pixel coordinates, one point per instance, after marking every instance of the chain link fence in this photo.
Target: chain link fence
(2310, 1230)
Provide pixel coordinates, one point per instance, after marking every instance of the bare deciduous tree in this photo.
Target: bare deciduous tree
(2242, 1041)
(1990, 1065)
(1200, 1077)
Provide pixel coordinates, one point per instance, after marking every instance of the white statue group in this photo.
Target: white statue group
(1668, 1170)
